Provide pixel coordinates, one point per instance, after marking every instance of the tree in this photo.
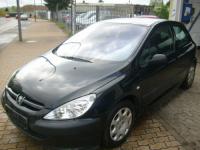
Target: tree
(6, 10)
(156, 3)
(162, 11)
(56, 5)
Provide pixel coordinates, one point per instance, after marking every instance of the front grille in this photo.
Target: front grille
(21, 122)
(27, 102)
(17, 118)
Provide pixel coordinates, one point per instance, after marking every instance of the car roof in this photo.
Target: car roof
(137, 21)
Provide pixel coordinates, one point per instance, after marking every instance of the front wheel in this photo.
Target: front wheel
(119, 124)
(189, 78)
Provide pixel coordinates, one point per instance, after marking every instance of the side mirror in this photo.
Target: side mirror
(158, 59)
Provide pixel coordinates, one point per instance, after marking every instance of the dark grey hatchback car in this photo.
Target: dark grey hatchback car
(93, 86)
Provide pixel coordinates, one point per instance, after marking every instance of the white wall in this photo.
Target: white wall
(175, 10)
(195, 32)
(176, 7)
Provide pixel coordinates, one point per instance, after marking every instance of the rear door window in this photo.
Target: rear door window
(182, 37)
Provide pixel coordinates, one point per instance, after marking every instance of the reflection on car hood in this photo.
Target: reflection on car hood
(50, 78)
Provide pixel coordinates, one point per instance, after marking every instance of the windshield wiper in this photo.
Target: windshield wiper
(76, 59)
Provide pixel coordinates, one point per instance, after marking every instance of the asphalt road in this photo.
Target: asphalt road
(9, 30)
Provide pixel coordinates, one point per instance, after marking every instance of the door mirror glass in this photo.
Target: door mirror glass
(158, 59)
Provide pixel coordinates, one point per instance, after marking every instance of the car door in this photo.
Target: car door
(185, 50)
(154, 80)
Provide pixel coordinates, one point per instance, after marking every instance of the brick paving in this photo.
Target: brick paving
(150, 132)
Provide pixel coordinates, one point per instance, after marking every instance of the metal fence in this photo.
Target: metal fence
(80, 16)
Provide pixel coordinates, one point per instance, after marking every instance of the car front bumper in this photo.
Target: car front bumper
(76, 132)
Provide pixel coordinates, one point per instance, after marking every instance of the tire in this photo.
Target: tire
(117, 130)
(187, 83)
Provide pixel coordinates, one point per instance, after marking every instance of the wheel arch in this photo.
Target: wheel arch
(134, 100)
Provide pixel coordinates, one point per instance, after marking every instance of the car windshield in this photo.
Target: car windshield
(104, 41)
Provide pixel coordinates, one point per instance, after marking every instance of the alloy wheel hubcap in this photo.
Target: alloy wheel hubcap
(121, 124)
(191, 74)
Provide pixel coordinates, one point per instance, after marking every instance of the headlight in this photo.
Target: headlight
(72, 109)
(11, 76)
(2, 96)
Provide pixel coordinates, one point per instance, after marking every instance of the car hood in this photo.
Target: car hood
(52, 80)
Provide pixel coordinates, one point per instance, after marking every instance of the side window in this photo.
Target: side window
(160, 42)
(181, 37)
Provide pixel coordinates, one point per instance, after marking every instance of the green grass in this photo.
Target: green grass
(63, 27)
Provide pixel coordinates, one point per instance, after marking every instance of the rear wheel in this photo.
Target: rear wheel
(189, 78)
(119, 124)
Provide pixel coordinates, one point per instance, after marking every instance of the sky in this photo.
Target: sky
(5, 3)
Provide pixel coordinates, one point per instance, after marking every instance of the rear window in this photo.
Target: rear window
(104, 41)
(182, 38)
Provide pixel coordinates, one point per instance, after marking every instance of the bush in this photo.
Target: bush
(162, 12)
(63, 27)
(2, 13)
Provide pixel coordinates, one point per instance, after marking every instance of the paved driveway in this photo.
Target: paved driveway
(160, 128)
